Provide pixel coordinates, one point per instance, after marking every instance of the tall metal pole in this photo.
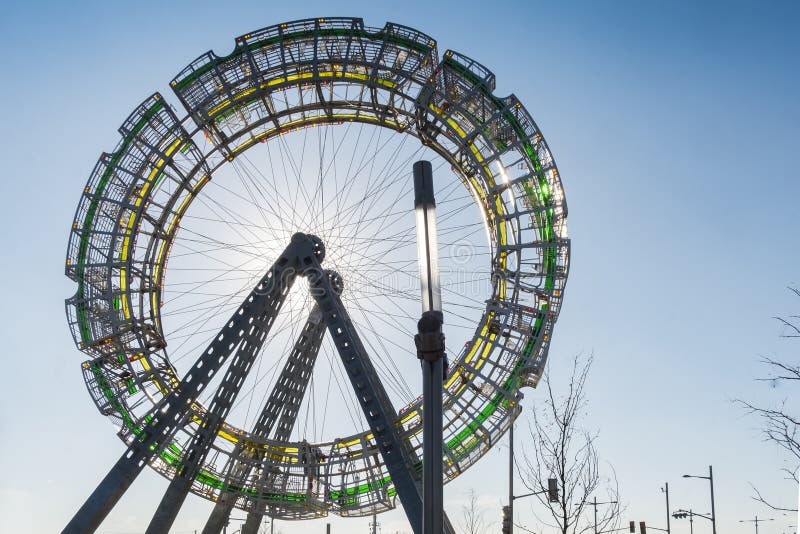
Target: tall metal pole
(710, 479)
(511, 476)
(713, 515)
(691, 522)
(432, 475)
(595, 515)
(666, 491)
(430, 350)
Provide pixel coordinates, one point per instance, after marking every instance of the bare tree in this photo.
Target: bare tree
(780, 426)
(472, 521)
(563, 449)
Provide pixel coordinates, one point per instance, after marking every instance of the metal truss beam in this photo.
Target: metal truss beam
(379, 412)
(290, 393)
(237, 336)
(223, 401)
(281, 408)
(399, 458)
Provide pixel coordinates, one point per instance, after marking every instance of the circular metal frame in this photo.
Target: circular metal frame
(276, 80)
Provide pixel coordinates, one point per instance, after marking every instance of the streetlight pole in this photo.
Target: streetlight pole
(710, 479)
(665, 489)
(430, 349)
(755, 521)
(511, 474)
(713, 513)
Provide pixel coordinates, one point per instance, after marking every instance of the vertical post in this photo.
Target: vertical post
(511, 474)
(691, 522)
(713, 515)
(666, 490)
(429, 337)
(756, 524)
(595, 515)
(430, 349)
(328, 528)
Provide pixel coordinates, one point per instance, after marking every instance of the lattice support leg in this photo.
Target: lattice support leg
(279, 414)
(158, 431)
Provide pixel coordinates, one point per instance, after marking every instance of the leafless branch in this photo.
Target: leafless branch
(472, 517)
(791, 326)
(791, 323)
(784, 370)
(779, 426)
(760, 498)
(561, 448)
(522, 527)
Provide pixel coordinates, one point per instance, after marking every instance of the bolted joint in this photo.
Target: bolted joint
(322, 281)
(337, 283)
(311, 246)
(319, 247)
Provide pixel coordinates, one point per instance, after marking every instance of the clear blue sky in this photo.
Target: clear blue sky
(675, 127)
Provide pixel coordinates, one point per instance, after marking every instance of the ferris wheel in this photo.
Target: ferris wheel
(297, 147)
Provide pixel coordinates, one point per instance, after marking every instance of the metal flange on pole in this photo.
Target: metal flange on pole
(430, 350)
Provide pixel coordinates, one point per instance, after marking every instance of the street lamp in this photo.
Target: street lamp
(710, 479)
(430, 349)
(427, 240)
(756, 521)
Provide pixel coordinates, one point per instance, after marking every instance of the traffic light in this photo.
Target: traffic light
(642, 528)
(632, 526)
(552, 489)
(506, 520)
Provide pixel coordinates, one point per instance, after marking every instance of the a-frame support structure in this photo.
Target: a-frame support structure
(242, 337)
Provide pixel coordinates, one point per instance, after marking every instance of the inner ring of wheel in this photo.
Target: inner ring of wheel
(392, 77)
